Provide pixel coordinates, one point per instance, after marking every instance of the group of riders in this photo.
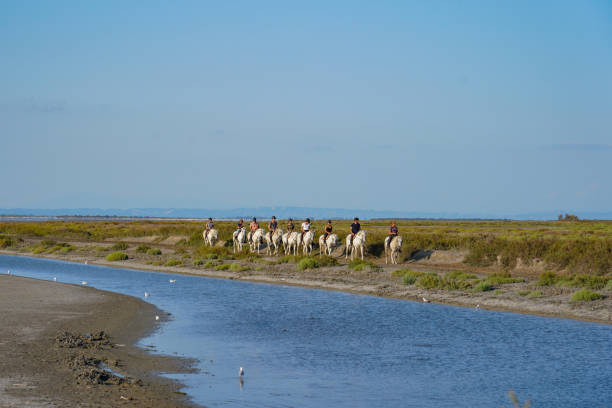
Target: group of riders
(305, 227)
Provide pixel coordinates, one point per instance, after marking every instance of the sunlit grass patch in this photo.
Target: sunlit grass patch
(116, 256)
(585, 295)
(535, 294)
(236, 267)
(308, 263)
(360, 265)
(120, 246)
(173, 262)
(154, 251)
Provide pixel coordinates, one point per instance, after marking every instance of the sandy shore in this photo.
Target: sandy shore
(54, 353)
(555, 303)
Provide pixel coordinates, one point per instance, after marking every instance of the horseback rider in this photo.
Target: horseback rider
(290, 226)
(305, 227)
(239, 226)
(253, 227)
(272, 226)
(328, 230)
(392, 232)
(355, 228)
(209, 225)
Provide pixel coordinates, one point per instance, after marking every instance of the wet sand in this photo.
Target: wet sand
(56, 341)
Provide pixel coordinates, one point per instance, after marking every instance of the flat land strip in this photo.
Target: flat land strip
(58, 341)
(554, 268)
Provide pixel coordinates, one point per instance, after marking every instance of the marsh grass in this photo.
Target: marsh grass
(359, 265)
(198, 262)
(585, 295)
(116, 256)
(173, 262)
(154, 251)
(502, 279)
(143, 249)
(535, 294)
(120, 246)
(523, 292)
(483, 286)
(236, 267)
(574, 281)
(308, 263)
(223, 267)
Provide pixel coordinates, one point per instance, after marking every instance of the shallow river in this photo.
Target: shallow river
(315, 348)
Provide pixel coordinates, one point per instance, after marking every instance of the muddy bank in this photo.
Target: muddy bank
(63, 345)
(554, 301)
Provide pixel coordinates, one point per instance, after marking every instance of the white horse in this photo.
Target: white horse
(307, 242)
(274, 241)
(256, 239)
(239, 238)
(393, 250)
(290, 241)
(327, 246)
(211, 237)
(358, 243)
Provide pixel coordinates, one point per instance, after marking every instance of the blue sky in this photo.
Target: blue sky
(451, 106)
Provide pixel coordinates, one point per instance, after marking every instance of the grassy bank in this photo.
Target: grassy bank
(572, 246)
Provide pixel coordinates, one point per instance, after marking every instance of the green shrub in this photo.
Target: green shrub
(523, 292)
(223, 267)
(212, 256)
(259, 268)
(198, 262)
(429, 281)
(173, 262)
(483, 286)
(236, 267)
(6, 242)
(288, 259)
(120, 246)
(534, 294)
(409, 280)
(154, 251)
(66, 249)
(307, 263)
(116, 256)
(47, 242)
(502, 279)
(498, 292)
(548, 279)
(157, 263)
(359, 265)
(609, 285)
(327, 261)
(460, 275)
(210, 264)
(585, 295)
(143, 249)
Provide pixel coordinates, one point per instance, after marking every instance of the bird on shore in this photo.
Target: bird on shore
(86, 262)
(478, 306)
(241, 372)
(147, 294)
(84, 283)
(156, 318)
(172, 280)
(425, 300)
(54, 279)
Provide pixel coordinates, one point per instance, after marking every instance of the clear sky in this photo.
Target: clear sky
(465, 106)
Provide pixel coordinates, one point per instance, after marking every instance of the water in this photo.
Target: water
(314, 348)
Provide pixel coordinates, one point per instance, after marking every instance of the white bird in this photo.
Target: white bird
(8, 272)
(54, 279)
(156, 317)
(86, 262)
(84, 283)
(147, 294)
(241, 372)
(478, 306)
(172, 280)
(425, 300)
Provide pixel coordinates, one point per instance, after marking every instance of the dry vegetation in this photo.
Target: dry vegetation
(524, 259)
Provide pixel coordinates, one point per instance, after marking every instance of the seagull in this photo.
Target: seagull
(425, 300)
(54, 279)
(172, 280)
(147, 294)
(84, 283)
(156, 317)
(478, 306)
(241, 372)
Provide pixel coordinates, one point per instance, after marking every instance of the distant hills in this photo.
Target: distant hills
(283, 213)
